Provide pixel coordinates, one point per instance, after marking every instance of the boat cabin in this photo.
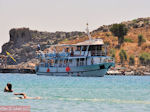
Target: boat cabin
(81, 54)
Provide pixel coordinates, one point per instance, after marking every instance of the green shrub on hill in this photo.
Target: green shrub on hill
(107, 43)
(134, 20)
(112, 52)
(140, 40)
(123, 56)
(119, 30)
(131, 60)
(144, 58)
(146, 21)
(128, 40)
(107, 35)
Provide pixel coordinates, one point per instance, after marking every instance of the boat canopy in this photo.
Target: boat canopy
(91, 42)
(85, 43)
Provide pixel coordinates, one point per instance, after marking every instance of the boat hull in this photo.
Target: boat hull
(97, 70)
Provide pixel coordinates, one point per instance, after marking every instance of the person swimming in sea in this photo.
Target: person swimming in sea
(8, 88)
(24, 96)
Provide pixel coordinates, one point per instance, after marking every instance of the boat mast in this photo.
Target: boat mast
(88, 33)
(90, 38)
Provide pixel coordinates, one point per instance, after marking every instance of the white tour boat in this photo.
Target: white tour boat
(85, 59)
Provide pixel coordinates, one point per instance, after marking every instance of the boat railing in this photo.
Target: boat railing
(69, 54)
(52, 55)
(98, 53)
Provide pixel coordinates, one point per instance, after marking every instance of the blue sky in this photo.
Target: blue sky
(67, 15)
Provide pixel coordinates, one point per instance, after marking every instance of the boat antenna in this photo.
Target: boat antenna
(88, 33)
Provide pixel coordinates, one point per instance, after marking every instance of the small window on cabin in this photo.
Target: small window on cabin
(94, 47)
(84, 48)
(89, 48)
(65, 61)
(78, 48)
(70, 61)
(56, 61)
(99, 47)
(60, 63)
(81, 59)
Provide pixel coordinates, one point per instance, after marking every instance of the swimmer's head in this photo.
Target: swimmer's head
(8, 88)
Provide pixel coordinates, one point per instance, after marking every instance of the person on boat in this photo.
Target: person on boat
(67, 51)
(78, 51)
(38, 47)
(8, 88)
(24, 96)
(72, 52)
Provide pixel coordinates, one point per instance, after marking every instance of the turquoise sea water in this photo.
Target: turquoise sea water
(78, 94)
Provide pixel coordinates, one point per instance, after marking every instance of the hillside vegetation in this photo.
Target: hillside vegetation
(136, 28)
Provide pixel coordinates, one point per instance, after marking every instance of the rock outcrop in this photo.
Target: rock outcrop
(23, 42)
(136, 23)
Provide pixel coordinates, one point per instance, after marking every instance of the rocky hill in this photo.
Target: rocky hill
(23, 41)
(136, 27)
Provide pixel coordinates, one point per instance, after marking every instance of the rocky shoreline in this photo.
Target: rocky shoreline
(142, 71)
(24, 71)
(135, 71)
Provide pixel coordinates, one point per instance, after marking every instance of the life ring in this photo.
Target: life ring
(67, 69)
(48, 70)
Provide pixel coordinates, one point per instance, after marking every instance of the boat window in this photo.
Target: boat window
(81, 61)
(65, 63)
(42, 64)
(78, 48)
(99, 47)
(84, 48)
(70, 61)
(97, 50)
(46, 65)
(56, 61)
(91, 48)
(78, 62)
(60, 63)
